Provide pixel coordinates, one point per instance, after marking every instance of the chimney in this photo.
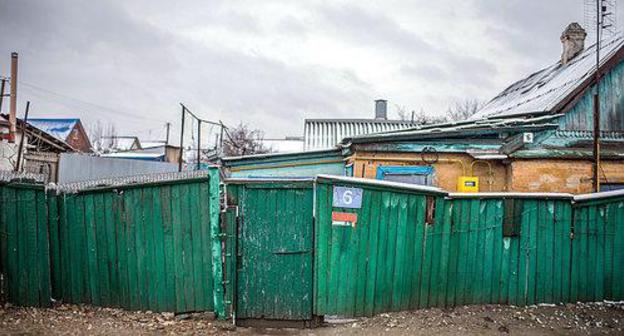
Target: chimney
(13, 102)
(573, 42)
(381, 109)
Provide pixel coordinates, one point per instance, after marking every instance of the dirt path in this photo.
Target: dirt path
(580, 319)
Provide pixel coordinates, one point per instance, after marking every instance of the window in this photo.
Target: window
(611, 186)
(512, 219)
(422, 175)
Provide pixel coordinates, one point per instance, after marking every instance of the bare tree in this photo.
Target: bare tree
(418, 118)
(402, 112)
(242, 140)
(464, 109)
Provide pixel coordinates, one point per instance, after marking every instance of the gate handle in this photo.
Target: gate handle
(292, 252)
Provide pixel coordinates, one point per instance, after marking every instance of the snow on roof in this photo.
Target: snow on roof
(152, 144)
(543, 90)
(59, 128)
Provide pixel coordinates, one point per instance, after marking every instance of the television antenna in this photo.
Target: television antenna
(604, 13)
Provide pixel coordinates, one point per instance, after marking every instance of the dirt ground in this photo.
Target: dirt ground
(604, 318)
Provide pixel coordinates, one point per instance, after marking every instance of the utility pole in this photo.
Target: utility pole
(181, 139)
(596, 165)
(13, 102)
(2, 92)
(198, 144)
(20, 148)
(168, 126)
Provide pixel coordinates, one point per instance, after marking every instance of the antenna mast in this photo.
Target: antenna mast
(604, 17)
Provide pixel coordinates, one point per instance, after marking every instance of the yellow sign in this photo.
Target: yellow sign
(468, 184)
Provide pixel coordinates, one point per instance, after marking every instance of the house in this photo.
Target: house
(71, 131)
(151, 152)
(117, 143)
(40, 152)
(327, 133)
(289, 144)
(535, 136)
(298, 164)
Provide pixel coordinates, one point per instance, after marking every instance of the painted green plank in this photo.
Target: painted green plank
(12, 245)
(103, 240)
(322, 239)
(110, 230)
(382, 259)
(187, 248)
(142, 264)
(28, 247)
(444, 209)
(487, 272)
(217, 269)
(497, 247)
(408, 261)
(91, 252)
(122, 224)
(607, 280)
(420, 238)
(397, 249)
(132, 197)
(373, 255)
(43, 251)
(155, 235)
(411, 265)
(473, 248)
(452, 277)
(170, 280)
(198, 266)
(151, 289)
(574, 255)
(599, 252)
(178, 241)
(618, 247)
(206, 251)
(55, 247)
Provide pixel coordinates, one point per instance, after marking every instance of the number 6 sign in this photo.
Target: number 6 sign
(347, 197)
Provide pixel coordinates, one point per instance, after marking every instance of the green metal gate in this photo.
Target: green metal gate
(274, 251)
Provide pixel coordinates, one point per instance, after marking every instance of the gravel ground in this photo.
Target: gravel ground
(604, 318)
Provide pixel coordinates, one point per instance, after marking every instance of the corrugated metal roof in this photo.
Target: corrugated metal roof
(59, 128)
(442, 131)
(543, 90)
(327, 133)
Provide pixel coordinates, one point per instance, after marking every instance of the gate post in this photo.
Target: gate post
(215, 234)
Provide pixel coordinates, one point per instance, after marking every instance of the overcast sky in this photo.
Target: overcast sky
(270, 63)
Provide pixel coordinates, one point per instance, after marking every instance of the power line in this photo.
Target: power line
(84, 102)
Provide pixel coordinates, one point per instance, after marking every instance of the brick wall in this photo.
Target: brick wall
(572, 176)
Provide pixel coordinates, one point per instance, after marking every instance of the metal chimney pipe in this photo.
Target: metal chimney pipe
(381, 109)
(13, 103)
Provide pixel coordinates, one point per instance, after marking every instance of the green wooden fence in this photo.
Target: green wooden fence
(597, 250)
(146, 246)
(516, 249)
(26, 211)
(158, 246)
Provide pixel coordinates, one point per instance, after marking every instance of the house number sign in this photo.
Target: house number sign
(345, 197)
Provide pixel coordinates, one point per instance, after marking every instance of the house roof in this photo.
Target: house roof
(460, 129)
(545, 90)
(49, 139)
(327, 133)
(59, 128)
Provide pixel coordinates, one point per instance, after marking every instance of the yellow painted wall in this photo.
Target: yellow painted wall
(535, 175)
(447, 169)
